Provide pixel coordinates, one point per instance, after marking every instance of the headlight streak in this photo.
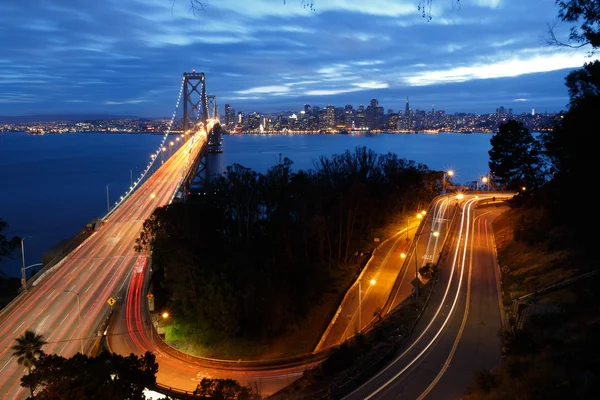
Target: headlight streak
(464, 226)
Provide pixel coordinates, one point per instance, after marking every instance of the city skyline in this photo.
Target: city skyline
(271, 56)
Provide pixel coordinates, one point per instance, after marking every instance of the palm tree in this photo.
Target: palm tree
(28, 349)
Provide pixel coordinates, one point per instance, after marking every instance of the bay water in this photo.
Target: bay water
(52, 185)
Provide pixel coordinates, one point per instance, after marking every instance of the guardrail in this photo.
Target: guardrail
(518, 304)
(177, 393)
(243, 365)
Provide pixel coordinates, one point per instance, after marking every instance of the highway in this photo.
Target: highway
(96, 271)
(386, 279)
(130, 332)
(106, 266)
(458, 332)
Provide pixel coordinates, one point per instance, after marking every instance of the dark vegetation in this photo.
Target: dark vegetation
(252, 256)
(551, 345)
(356, 360)
(9, 287)
(7, 246)
(107, 376)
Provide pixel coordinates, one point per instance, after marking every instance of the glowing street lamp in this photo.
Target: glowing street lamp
(450, 173)
(371, 283)
(404, 255)
(485, 180)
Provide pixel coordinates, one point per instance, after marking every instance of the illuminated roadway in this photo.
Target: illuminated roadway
(391, 276)
(96, 271)
(102, 266)
(458, 332)
(106, 266)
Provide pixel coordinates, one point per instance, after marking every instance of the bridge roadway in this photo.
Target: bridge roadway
(97, 270)
(102, 266)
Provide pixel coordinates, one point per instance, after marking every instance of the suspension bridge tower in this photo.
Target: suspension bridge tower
(197, 111)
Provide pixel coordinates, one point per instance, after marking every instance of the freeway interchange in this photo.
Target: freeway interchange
(456, 334)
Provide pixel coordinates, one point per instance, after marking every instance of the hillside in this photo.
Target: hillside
(553, 352)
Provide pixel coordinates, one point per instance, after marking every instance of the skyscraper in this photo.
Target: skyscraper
(227, 114)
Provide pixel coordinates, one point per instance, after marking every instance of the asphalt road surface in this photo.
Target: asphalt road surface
(96, 271)
(458, 332)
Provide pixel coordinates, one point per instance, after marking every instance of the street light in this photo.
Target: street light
(131, 176)
(449, 173)
(107, 199)
(419, 215)
(485, 180)
(23, 258)
(24, 277)
(371, 283)
(403, 255)
(78, 313)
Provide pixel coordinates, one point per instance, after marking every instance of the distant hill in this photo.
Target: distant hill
(62, 117)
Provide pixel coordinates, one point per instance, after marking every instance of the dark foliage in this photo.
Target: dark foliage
(7, 246)
(516, 159)
(585, 14)
(224, 389)
(252, 256)
(107, 377)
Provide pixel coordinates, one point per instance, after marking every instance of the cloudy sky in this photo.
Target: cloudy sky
(128, 56)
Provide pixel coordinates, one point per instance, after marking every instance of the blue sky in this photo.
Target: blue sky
(128, 56)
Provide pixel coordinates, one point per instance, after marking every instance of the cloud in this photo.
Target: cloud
(118, 103)
(527, 62)
(266, 90)
(268, 8)
(258, 54)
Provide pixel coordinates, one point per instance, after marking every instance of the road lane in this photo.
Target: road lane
(95, 270)
(458, 331)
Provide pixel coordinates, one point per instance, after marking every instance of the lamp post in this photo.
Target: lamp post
(486, 180)
(107, 199)
(449, 173)
(403, 255)
(131, 177)
(371, 283)
(23, 279)
(24, 276)
(79, 314)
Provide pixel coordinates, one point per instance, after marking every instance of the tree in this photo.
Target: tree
(6, 245)
(28, 350)
(585, 14)
(108, 376)
(424, 6)
(516, 157)
(225, 389)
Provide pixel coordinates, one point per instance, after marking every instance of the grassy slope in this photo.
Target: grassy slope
(556, 355)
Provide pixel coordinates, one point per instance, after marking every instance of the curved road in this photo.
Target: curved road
(106, 266)
(458, 332)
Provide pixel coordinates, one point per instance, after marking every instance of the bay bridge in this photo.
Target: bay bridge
(97, 295)
(96, 291)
